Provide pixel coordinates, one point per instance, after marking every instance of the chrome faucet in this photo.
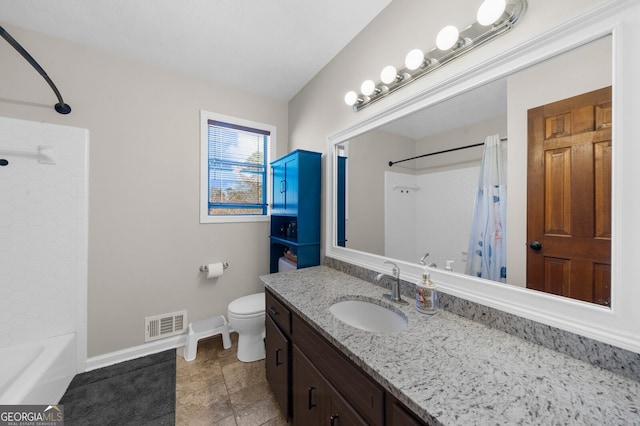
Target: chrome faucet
(431, 265)
(395, 284)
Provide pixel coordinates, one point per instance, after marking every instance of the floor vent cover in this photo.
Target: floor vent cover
(166, 325)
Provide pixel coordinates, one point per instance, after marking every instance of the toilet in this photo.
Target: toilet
(246, 317)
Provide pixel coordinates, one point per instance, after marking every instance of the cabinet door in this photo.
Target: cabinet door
(341, 413)
(308, 391)
(285, 185)
(278, 186)
(291, 185)
(277, 364)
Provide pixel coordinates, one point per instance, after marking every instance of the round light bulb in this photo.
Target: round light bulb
(351, 98)
(368, 87)
(414, 59)
(490, 11)
(447, 37)
(388, 74)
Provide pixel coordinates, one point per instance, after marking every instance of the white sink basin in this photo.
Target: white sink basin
(369, 316)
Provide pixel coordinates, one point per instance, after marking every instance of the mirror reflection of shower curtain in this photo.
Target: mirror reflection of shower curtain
(487, 244)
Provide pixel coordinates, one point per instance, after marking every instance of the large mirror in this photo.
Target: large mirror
(611, 27)
(425, 207)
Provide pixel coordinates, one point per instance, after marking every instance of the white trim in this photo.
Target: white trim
(204, 166)
(128, 354)
(620, 325)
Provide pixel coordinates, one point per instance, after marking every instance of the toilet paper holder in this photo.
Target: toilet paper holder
(205, 268)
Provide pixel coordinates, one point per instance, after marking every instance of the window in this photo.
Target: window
(234, 184)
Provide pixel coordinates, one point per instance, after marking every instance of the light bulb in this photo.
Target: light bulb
(388, 74)
(414, 59)
(490, 11)
(351, 98)
(368, 87)
(447, 37)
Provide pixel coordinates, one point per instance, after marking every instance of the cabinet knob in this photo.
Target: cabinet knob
(278, 362)
(273, 311)
(334, 420)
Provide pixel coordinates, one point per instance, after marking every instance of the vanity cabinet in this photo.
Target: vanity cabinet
(324, 386)
(295, 208)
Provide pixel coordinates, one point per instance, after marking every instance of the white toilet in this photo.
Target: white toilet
(246, 317)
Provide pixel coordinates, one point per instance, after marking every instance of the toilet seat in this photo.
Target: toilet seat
(247, 306)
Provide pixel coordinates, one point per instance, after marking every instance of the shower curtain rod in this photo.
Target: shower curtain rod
(60, 107)
(391, 163)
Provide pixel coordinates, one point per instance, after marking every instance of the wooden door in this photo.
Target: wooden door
(569, 197)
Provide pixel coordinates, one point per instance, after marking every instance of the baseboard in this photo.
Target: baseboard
(150, 348)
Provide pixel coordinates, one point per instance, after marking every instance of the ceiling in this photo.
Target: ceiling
(474, 106)
(267, 47)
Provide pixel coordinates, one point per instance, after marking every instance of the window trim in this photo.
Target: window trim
(205, 116)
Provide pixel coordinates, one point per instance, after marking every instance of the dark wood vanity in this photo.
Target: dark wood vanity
(315, 384)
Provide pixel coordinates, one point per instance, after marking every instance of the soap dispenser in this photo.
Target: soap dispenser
(426, 295)
(449, 266)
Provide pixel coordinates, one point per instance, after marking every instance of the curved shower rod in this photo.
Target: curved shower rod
(60, 107)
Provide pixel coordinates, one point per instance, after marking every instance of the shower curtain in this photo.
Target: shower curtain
(486, 257)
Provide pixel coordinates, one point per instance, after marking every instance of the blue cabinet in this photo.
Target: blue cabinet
(285, 185)
(295, 208)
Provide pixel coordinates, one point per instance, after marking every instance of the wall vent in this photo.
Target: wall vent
(166, 325)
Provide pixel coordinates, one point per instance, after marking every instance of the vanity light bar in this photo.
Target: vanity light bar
(494, 18)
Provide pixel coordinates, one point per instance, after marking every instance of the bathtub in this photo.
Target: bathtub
(37, 372)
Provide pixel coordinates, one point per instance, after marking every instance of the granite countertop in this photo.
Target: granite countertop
(453, 371)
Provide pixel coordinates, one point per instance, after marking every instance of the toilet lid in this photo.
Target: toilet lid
(246, 305)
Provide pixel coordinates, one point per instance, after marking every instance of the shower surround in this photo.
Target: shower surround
(43, 233)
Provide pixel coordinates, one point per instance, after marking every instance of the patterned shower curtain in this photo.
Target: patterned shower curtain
(487, 253)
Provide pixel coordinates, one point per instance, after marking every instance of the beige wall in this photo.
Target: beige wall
(145, 240)
(467, 135)
(368, 159)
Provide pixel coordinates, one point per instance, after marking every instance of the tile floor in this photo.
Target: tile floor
(217, 389)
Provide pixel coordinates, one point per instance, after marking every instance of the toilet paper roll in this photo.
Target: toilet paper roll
(215, 270)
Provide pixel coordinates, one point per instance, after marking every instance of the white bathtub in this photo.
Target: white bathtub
(37, 372)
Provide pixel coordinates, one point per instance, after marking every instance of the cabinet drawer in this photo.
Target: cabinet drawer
(354, 385)
(278, 312)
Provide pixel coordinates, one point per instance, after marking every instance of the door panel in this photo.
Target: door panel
(569, 197)
(277, 364)
(309, 389)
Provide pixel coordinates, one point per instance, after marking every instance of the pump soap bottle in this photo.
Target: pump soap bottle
(426, 295)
